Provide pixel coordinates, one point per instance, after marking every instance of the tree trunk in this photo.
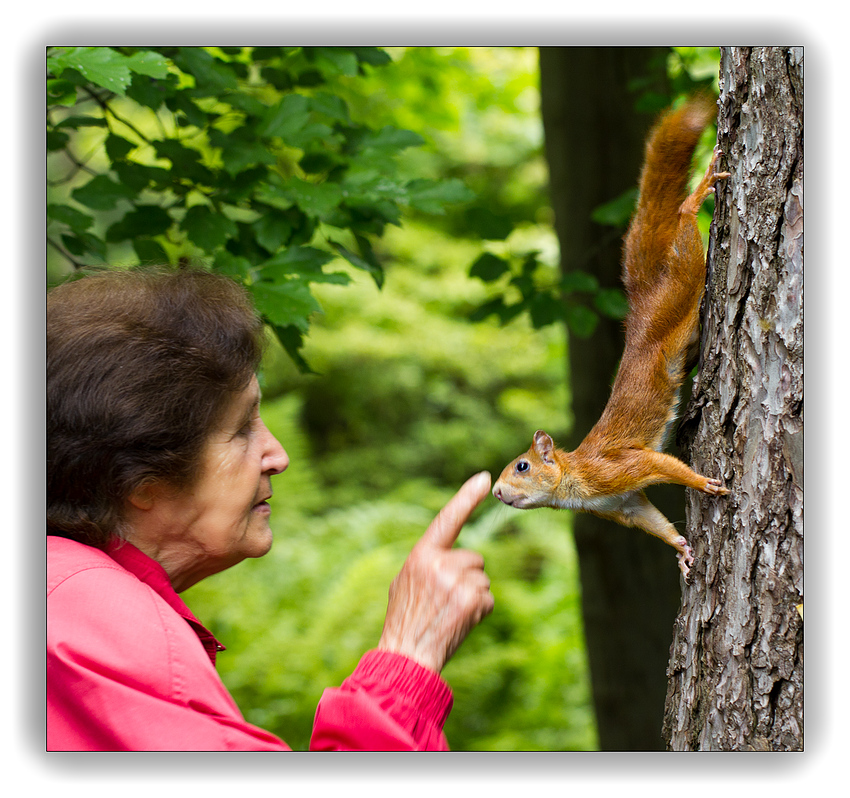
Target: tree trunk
(630, 582)
(736, 665)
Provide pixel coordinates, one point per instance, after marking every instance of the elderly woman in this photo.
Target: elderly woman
(159, 474)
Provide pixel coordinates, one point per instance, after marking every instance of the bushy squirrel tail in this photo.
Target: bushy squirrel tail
(663, 188)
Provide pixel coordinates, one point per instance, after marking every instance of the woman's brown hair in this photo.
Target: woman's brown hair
(140, 367)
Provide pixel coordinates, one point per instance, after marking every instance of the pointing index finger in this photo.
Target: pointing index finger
(445, 528)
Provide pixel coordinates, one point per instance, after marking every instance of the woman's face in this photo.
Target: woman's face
(224, 517)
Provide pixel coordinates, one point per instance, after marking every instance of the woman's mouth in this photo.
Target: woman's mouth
(262, 507)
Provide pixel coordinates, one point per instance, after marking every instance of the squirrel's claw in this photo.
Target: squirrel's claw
(685, 557)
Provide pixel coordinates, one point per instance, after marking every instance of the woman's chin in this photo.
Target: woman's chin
(261, 541)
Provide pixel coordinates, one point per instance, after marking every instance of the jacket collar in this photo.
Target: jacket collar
(154, 576)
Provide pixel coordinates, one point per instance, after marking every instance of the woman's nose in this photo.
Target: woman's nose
(275, 458)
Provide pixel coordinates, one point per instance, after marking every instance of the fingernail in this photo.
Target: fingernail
(482, 480)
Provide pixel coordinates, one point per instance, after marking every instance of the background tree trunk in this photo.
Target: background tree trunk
(736, 666)
(630, 581)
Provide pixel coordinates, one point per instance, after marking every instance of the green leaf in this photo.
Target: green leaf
(488, 225)
(102, 66)
(314, 163)
(579, 281)
(136, 176)
(489, 267)
(148, 63)
(292, 339)
(241, 154)
(545, 309)
(367, 187)
(330, 105)
(371, 55)
(101, 193)
(182, 103)
(251, 105)
(232, 265)
(315, 199)
(335, 60)
(498, 308)
(365, 261)
(56, 140)
(582, 321)
(371, 217)
(76, 220)
(117, 148)
(263, 54)
(294, 260)
(618, 211)
(391, 139)
(75, 122)
(310, 134)
(61, 92)
(149, 251)
(211, 74)
(85, 244)
(285, 303)
(272, 230)
(175, 152)
(611, 302)
(431, 196)
(143, 220)
(185, 161)
(285, 118)
(329, 278)
(207, 228)
(152, 93)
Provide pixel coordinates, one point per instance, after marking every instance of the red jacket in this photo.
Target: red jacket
(129, 667)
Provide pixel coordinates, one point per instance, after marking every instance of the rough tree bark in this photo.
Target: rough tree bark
(736, 665)
(630, 582)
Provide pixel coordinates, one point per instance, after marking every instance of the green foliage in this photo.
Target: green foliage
(564, 302)
(236, 156)
(693, 69)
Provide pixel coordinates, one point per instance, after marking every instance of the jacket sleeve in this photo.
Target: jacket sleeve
(389, 703)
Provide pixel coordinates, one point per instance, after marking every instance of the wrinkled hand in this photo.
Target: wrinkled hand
(441, 593)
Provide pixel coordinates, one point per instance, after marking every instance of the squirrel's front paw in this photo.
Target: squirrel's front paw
(714, 487)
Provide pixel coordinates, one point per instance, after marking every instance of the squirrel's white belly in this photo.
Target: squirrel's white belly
(599, 504)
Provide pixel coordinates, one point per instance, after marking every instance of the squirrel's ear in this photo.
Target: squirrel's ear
(543, 445)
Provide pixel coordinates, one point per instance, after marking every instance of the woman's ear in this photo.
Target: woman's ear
(142, 497)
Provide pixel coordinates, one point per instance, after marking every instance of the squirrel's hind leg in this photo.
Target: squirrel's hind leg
(639, 512)
(706, 186)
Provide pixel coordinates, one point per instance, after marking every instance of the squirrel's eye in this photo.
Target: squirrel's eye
(522, 466)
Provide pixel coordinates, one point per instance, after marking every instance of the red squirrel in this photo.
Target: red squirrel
(664, 278)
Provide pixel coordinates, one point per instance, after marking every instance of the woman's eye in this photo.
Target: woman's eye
(522, 466)
(245, 430)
